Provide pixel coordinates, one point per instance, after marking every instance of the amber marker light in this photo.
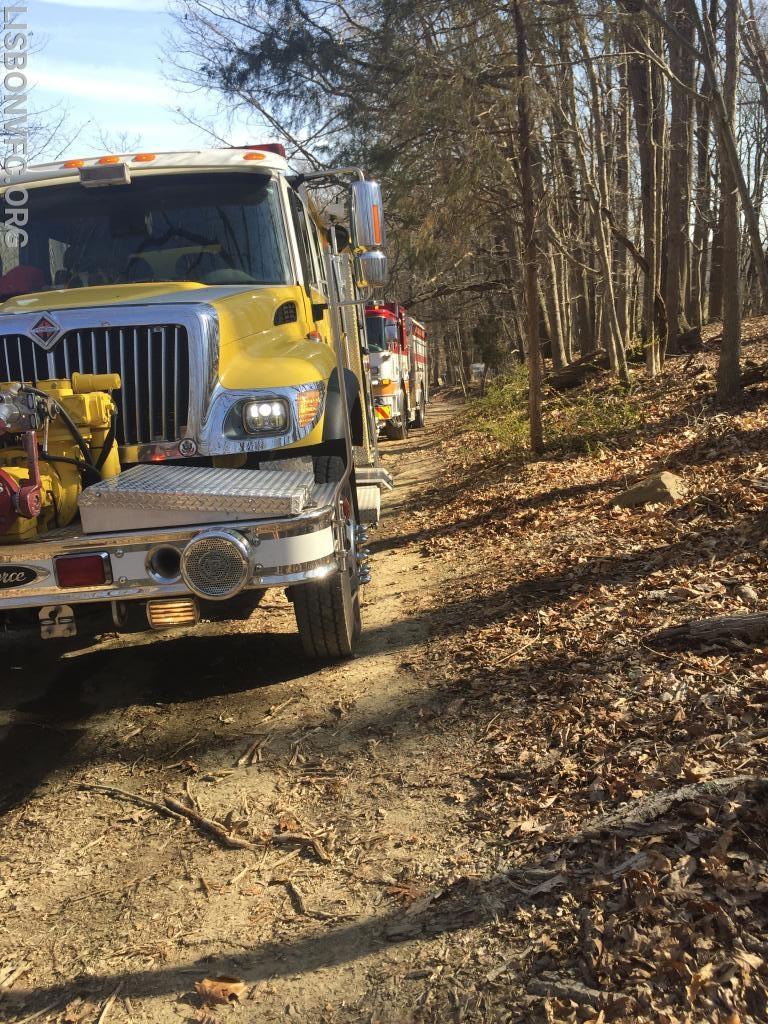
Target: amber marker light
(376, 223)
(253, 155)
(308, 406)
(108, 160)
(143, 158)
(73, 163)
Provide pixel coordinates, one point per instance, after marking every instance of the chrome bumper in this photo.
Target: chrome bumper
(288, 551)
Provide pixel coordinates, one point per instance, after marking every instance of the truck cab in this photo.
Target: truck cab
(185, 412)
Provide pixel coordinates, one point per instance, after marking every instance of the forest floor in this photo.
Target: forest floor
(517, 804)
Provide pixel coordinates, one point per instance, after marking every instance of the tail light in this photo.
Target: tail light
(89, 570)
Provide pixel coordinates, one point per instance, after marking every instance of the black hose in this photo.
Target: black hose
(85, 467)
(80, 441)
(108, 442)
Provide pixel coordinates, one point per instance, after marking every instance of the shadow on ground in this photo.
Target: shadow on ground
(43, 731)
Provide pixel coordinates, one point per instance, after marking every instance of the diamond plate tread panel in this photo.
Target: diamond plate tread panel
(322, 494)
(251, 492)
(360, 457)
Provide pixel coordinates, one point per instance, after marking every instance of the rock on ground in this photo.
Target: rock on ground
(666, 488)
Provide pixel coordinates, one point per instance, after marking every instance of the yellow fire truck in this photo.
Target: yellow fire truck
(185, 415)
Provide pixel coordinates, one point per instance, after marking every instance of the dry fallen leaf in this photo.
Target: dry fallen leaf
(288, 822)
(749, 961)
(78, 1011)
(204, 1017)
(214, 991)
(406, 893)
(548, 886)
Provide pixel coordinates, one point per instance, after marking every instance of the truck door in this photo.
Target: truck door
(313, 271)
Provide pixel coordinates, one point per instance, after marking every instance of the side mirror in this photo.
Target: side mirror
(367, 215)
(371, 269)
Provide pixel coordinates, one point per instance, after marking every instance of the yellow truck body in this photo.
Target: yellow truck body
(232, 316)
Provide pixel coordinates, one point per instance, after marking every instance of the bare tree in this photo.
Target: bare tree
(728, 370)
(530, 233)
(678, 200)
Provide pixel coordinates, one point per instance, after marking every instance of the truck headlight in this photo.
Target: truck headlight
(267, 417)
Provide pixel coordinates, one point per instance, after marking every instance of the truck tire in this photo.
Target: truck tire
(421, 412)
(398, 431)
(328, 611)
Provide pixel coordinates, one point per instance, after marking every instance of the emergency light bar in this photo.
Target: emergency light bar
(267, 147)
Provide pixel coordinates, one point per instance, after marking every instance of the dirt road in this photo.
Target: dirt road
(100, 895)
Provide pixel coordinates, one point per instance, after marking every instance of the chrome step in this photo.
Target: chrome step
(373, 476)
(369, 504)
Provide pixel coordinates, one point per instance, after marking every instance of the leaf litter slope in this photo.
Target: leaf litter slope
(533, 813)
(620, 782)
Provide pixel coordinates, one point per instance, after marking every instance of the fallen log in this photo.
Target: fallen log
(756, 374)
(565, 988)
(748, 629)
(574, 374)
(654, 805)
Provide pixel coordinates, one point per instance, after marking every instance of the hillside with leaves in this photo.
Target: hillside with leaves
(615, 777)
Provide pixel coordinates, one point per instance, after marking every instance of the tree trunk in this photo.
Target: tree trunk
(530, 233)
(597, 191)
(698, 309)
(643, 85)
(621, 181)
(728, 372)
(723, 112)
(557, 344)
(678, 196)
(716, 262)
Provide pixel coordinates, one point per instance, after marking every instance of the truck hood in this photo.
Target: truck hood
(121, 294)
(388, 359)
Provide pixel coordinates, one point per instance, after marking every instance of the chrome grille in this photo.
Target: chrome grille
(153, 363)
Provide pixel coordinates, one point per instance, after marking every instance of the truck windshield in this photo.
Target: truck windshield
(381, 332)
(223, 229)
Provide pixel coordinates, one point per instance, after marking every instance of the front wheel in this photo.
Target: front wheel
(328, 611)
(397, 430)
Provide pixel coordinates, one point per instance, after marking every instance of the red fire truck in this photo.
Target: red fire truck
(398, 352)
